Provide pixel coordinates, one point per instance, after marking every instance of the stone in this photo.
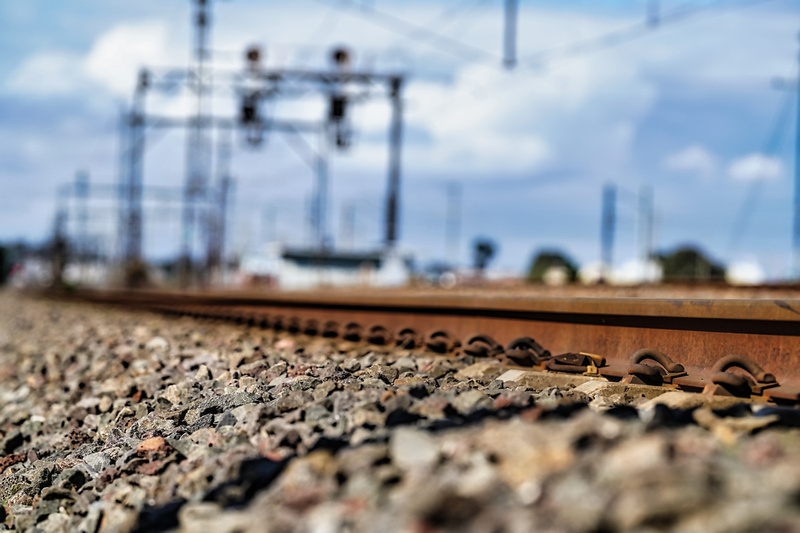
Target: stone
(365, 416)
(153, 445)
(484, 371)
(203, 373)
(405, 364)
(470, 400)
(157, 344)
(227, 419)
(293, 400)
(315, 413)
(324, 389)
(438, 368)
(688, 400)
(351, 365)
(205, 421)
(413, 449)
(70, 478)
(12, 440)
(386, 374)
(98, 461)
(105, 404)
(511, 375)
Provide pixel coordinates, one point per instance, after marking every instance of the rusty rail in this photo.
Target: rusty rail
(733, 347)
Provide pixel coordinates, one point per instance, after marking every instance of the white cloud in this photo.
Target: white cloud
(487, 121)
(48, 73)
(754, 167)
(117, 55)
(577, 117)
(746, 272)
(693, 160)
(112, 63)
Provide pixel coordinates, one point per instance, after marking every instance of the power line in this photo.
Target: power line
(607, 40)
(445, 18)
(629, 33)
(326, 26)
(772, 146)
(404, 28)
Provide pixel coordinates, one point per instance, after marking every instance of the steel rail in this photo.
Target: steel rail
(738, 347)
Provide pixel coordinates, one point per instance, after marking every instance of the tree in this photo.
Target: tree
(5, 260)
(484, 251)
(688, 263)
(547, 260)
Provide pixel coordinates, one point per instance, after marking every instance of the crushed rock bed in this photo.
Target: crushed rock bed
(115, 421)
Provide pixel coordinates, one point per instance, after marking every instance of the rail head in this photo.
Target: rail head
(777, 310)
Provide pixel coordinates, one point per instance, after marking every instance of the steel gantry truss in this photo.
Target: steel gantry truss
(253, 87)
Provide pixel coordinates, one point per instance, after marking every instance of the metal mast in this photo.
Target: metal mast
(131, 169)
(198, 149)
(218, 211)
(645, 227)
(82, 230)
(395, 142)
(607, 230)
(510, 34)
(796, 225)
(453, 222)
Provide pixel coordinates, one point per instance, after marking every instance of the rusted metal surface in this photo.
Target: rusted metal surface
(665, 341)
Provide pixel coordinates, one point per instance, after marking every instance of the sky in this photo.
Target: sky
(688, 108)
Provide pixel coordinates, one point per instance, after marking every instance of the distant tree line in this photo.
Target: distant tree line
(13, 253)
(686, 263)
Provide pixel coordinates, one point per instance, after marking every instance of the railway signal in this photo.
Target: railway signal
(343, 88)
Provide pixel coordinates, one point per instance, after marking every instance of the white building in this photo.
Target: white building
(301, 268)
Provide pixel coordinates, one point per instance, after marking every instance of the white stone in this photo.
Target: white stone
(511, 375)
(413, 449)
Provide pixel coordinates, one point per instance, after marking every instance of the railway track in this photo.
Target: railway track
(743, 348)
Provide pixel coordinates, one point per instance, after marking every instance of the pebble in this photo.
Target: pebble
(412, 448)
(143, 422)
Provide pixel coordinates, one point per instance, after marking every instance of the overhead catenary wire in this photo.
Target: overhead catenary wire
(426, 34)
(773, 145)
(404, 28)
(446, 17)
(633, 31)
(613, 38)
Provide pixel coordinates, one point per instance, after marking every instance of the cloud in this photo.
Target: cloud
(48, 73)
(489, 123)
(546, 135)
(693, 160)
(117, 55)
(112, 63)
(755, 167)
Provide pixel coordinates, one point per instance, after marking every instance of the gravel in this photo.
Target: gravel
(115, 421)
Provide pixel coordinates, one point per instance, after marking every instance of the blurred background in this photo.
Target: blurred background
(333, 142)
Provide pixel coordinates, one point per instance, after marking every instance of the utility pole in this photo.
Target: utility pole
(198, 149)
(453, 223)
(395, 142)
(645, 227)
(510, 34)
(319, 211)
(82, 199)
(796, 225)
(82, 229)
(340, 84)
(348, 225)
(653, 13)
(133, 139)
(59, 250)
(607, 230)
(269, 224)
(218, 211)
(794, 85)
